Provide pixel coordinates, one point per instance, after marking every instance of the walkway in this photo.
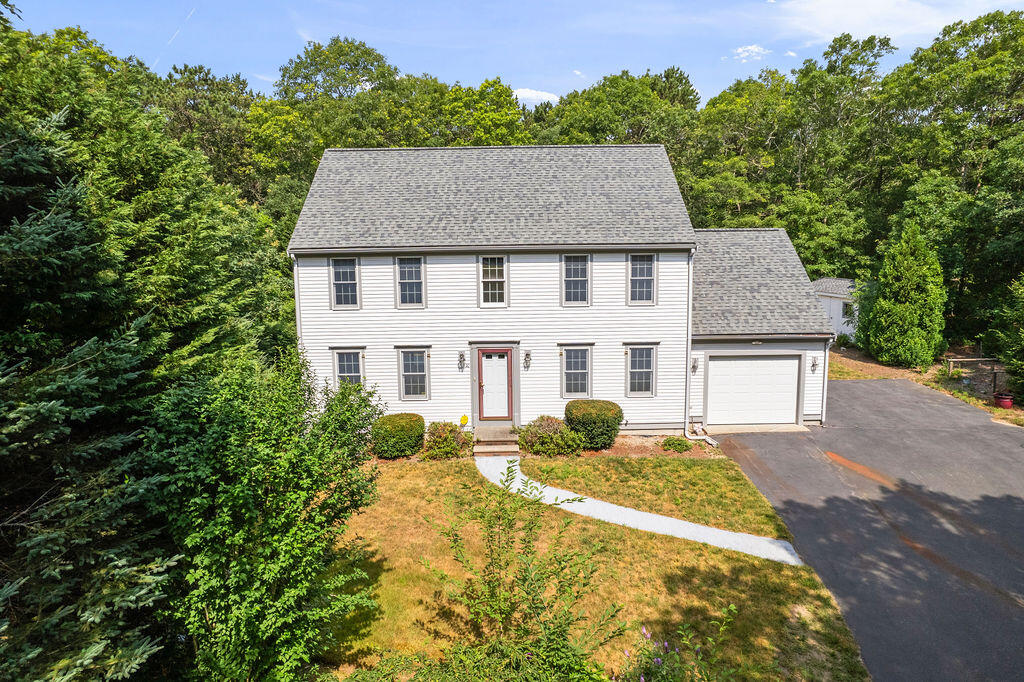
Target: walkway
(494, 468)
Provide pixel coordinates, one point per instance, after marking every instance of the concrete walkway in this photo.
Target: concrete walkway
(494, 469)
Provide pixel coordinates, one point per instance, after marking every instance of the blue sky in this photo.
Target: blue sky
(541, 49)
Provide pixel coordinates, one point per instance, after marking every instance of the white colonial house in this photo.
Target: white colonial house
(501, 282)
(836, 296)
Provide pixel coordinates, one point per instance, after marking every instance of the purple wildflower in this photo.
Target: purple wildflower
(643, 629)
(627, 652)
(657, 661)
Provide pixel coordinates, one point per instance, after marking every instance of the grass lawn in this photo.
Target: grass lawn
(714, 492)
(785, 613)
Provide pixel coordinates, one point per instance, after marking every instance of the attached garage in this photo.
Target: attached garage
(759, 352)
(753, 389)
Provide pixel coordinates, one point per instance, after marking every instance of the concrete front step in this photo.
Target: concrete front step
(494, 449)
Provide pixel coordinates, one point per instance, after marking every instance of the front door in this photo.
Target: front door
(495, 375)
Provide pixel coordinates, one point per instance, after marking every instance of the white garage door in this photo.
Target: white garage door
(752, 389)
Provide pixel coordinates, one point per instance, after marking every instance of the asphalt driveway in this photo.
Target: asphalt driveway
(910, 505)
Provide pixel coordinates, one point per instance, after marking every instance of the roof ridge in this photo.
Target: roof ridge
(492, 146)
(739, 229)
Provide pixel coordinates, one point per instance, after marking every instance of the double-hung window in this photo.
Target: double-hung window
(493, 281)
(345, 281)
(640, 370)
(575, 280)
(350, 365)
(576, 371)
(409, 277)
(641, 279)
(413, 366)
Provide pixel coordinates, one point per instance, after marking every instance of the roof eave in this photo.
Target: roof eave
(491, 248)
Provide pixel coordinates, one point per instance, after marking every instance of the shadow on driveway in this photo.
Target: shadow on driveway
(909, 506)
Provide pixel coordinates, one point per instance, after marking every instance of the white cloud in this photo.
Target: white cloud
(750, 53)
(578, 73)
(264, 77)
(306, 36)
(790, 53)
(532, 97)
(818, 21)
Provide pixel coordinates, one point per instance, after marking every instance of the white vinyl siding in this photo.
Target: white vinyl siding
(842, 313)
(414, 373)
(345, 283)
(493, 281)
(410, 282)
(575, 371)
(643, 269)
(535, 319)
(641, 370)
(576, 280)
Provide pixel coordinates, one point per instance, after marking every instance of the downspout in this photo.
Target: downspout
(824, 379)
(298, 310)
(689, 348)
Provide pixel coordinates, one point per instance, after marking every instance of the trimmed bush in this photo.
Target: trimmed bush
(596, 420)
(677, 444)
(445, 440)
(549, 436)
(397, 435)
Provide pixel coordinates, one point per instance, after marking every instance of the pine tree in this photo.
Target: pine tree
(901, 316)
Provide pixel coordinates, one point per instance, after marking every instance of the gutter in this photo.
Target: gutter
(689, 347)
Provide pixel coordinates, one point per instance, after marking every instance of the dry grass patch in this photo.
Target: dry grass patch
(714, 492)
(785, 613)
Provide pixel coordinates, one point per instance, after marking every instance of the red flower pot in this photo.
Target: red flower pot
(1003, 400)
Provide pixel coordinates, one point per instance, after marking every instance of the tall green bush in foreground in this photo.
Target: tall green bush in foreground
(1011, 336)
(265, 471)
(900, 318)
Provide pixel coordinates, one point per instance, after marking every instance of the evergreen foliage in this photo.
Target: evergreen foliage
(596, 420)
(1011, 337)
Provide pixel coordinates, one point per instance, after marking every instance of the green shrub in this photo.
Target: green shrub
(549, 436)
(677, 444)
(1011, 336)
(397, 435)
(844, 341)
(445, 440)
(596, 420)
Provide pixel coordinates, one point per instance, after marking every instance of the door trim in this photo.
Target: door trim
(480, 384)
(800, 355)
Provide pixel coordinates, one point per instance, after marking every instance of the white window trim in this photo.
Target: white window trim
(360, 350)
(589, 347)
(423, 282)
(628, 348)
(359, 284)
(629, 279)
(590, 282)
(401, 373)
(480, 281)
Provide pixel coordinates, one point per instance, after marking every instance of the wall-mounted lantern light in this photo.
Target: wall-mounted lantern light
(462, 360)
(693, 366)
(527, 358)
(814, 364)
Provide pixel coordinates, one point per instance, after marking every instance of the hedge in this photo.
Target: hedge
(596, 420)
(397, 435)
(549, 437)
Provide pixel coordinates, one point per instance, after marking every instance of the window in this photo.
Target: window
(493, 279)
(410, 282)
(640, 362)
(641, 278)
(848, 310)
(345, 280)
(412, 365)
(350, 366)
(575, 280)
(575, 372)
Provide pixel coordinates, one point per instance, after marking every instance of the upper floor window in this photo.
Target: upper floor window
(493, 281)
(345, 279)
(350, 366)
(410, 281)
(576, 371)
(640, 370)
(412, 367)
(641, 278)
(576, 280)
(849, 312)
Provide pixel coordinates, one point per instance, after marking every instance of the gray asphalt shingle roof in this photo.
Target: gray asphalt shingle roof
(751, 282)
(493, 196)
(836, 286)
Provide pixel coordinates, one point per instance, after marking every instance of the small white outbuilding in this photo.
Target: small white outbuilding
(836, 296)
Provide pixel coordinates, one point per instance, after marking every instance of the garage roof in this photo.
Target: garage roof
(750, 282)
(459, 198)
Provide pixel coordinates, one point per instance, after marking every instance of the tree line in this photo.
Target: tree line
(174, 485)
